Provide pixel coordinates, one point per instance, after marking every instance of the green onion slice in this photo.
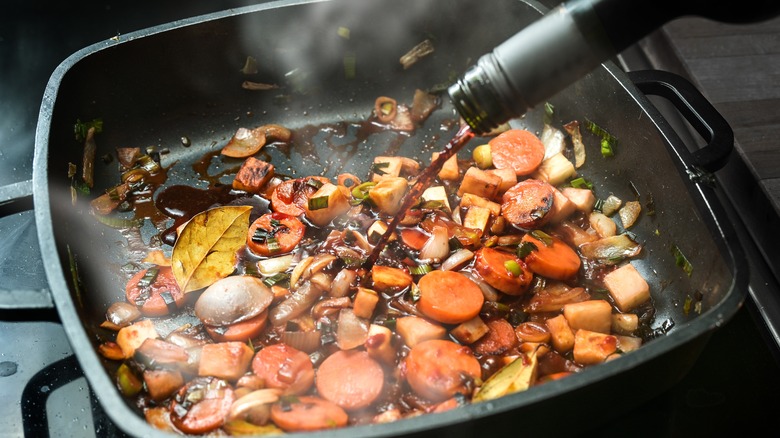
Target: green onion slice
(525, 248)
(513, 268)
(361, 191)
(544, 237)
(581, 183)
(421, 269)
(318, 203)
(681, 260)
(276, 279)
(378, 168)
(272, 244)
(313, 182)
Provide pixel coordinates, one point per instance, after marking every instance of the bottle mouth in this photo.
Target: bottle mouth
(472, 99)
(479, 96)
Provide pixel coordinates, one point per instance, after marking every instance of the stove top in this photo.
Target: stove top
(730, 388)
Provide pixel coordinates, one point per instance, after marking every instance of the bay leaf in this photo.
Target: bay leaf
(205, 251)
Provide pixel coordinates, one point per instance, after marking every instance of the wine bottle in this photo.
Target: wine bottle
(567, 43)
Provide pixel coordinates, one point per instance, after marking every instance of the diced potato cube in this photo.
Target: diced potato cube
(477, 218)
(436, 193)
(470, 331)
(379, 344)
(555, 170)
(409, 166)
(561, 209)
(572, 234)
(593, 347)
(625, 323)
(478, 182)
(391, 167)
(365, 302)
(561, 334)
(583, 199)
(628, 343)
(386, 167)
(337, 204)
(414, 330)
(388, 277)
(253, 175)
(162, 383)
(508, 178)
(468, 200)
(592, 315)
(376, 230)
(627, 287)
(602, 223)
(131, 337)
(388, 194)
(449, 171)
(225, 360)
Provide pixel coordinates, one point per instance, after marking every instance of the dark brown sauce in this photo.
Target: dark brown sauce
(181, 203)
(460, 139)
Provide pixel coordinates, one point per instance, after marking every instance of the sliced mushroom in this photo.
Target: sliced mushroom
(233, 299)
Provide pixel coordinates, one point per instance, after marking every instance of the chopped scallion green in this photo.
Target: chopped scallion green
(318, 203)
(549, 110)
(313, 182)
(544, 237)
(525, 248)
(378, 168)
(420, 269)
(681, 260)
(272, 244)
(513, 268)
(581, 183)
(276, 279)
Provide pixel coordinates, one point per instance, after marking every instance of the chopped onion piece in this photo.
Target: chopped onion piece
(342, 283)
(352, 331)
(611, 250)
(553, 141)
(308, 341)
(437, 247)
(262, 398)
(573, 128)
(457, 259)
(412, 56)
(272, 266)
(295, 305)
(629, 213)
(488, 291)
(611, 205)
(122, 314)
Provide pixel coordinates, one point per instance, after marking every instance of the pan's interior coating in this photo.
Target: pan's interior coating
(186, 82)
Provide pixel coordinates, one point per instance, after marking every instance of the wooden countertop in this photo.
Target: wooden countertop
(737, 67)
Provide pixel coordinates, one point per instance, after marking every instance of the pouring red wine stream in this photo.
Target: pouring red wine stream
(460, 139)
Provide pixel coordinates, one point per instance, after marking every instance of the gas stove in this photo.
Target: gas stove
(730, 387)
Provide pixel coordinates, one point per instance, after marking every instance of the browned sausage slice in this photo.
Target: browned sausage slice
(499, 339)
(526, 204)
(350, 378)
(285, 368)
(438, 369)
(503, 270)
(202, 405)
(307, 413)
(154, 291)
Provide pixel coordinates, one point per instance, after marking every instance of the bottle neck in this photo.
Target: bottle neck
(531, 66)
(566, 44)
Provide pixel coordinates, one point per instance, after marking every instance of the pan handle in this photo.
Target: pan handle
(16, 198)
(696, 109)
